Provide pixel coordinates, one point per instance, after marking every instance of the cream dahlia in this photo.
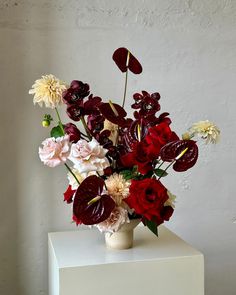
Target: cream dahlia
(206, 130)
(48, 90)
(118, 188)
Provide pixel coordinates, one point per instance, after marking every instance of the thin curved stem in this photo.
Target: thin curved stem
(69, 169)
(60, 123)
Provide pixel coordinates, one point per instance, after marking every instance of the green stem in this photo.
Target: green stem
(72, 173)
(125, 90)
(60, 123)
(85, 127)
(163, 172)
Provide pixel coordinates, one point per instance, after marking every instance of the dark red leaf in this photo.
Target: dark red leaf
(172, 149)
(120, 58)
(92, 212)
(108, 113)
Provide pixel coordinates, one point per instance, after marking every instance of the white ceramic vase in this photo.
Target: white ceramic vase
(123, 238)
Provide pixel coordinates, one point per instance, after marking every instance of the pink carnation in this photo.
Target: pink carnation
(55, 151)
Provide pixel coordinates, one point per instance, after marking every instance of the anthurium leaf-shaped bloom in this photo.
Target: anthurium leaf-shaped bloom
(90, 205)
(125, 62)
(113, 113)
(173, 149)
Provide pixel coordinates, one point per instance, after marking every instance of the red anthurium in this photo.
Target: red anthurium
(120, 57)
(68, 195)
(90, 205)
(171, 150)
(113, 113)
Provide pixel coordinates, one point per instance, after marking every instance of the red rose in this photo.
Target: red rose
(138, 157)
(157, 137)
(147, 197)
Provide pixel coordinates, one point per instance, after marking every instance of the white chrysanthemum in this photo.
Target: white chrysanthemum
(113, 128)
(206, 130)
(72, 181)
(171, 200)
(117, 187)
(117, 218)
(48, 90)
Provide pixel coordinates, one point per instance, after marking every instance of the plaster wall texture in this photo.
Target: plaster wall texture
(188, 52)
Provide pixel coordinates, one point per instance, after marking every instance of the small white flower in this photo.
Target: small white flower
(206, 130)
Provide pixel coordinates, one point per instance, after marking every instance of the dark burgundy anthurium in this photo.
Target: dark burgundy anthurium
(113, 113)
(90, 205)
(120, 57)
(173, 149)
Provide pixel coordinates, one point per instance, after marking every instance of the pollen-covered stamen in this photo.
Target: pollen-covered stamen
(113, 108)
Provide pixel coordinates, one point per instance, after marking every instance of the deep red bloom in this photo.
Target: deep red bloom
(138, 157)
(172, 149)
(90, 205)
(147, 197)
(120, 58)
(72, 131)
(76, 220)
(157, 137)
(68, 195)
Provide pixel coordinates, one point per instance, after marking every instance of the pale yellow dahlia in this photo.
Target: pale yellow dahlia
(206, 130)
(171, 200)
(48, 90)
(118, 188)
(113, 128)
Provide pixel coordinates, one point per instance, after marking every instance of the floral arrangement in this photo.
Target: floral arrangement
(115, 163)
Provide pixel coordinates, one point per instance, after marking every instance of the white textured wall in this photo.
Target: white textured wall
(188, 52)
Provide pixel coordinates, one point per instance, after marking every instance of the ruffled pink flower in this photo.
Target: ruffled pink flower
(55, 150)
(88, 157)
(117, 218)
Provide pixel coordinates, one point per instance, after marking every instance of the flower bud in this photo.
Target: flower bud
(46, 123)
(186, 136)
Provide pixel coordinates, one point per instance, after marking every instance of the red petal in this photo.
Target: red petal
(108, 113)
(68, 195)
(120, 58)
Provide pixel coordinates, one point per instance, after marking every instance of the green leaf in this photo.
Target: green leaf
(160, 172)
(56, 132)
(152, 226)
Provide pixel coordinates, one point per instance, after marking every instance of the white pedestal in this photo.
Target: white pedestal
(80, 264)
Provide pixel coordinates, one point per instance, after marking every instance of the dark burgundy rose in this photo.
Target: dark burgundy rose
(171, 150)
(72, 131)
(116, 117)
(120, 58)
(80, 88)
(76, 92)
(91, 105)
(95, 123)
(68, 195)
(75, 112)
(90, 205)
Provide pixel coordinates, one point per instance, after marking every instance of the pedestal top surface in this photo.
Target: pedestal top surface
(87, 247)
